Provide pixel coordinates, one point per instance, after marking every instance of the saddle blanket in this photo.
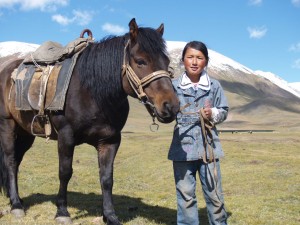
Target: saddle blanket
(27, 78)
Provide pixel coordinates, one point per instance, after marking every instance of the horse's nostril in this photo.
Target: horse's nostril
(170, 109)
(167, 106)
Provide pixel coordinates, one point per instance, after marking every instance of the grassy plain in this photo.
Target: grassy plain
(261, 181)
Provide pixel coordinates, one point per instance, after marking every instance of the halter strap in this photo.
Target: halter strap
(138, 84)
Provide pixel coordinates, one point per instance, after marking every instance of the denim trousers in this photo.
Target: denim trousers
(185, 180)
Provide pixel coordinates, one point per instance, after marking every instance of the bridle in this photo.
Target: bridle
(138, 84)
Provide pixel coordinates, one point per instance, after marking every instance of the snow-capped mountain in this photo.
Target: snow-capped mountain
(12, 47)
(221, 62)
(295, 86)
(290, 87)
(256, 98)
(217, 61)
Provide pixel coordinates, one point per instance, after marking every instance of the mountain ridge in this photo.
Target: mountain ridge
(221, 62)
(257, 99)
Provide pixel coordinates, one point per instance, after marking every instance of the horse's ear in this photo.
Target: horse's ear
(133, 30)
(161, 29)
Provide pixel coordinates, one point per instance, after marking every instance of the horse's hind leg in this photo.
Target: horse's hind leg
(14, 147)
(106, 156)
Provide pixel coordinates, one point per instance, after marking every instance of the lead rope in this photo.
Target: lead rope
(206, 127)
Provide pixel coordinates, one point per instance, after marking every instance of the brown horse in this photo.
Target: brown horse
(95, 110)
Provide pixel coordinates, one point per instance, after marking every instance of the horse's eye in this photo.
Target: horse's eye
(141, 62)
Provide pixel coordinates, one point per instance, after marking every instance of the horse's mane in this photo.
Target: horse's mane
(151, 41)
(100, 65)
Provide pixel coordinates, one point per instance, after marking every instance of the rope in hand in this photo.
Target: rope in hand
(206, 128)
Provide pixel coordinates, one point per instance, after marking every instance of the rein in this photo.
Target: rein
(138, 84)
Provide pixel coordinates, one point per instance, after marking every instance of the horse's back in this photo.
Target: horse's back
(7, 66)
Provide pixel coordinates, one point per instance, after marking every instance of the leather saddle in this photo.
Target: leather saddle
(43, 77)
(42, 80)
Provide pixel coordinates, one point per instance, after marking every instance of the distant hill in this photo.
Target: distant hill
(257, 100)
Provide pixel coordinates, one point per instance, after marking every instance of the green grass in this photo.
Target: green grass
(260, 172)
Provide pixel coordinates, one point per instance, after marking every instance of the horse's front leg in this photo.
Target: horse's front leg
(65, 152)
(106, 154)
(13, 147)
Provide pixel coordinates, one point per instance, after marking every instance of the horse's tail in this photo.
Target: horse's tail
(3, 173)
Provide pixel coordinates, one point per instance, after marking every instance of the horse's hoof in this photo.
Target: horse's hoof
(18, 213)
(112, 220)
(63, 220)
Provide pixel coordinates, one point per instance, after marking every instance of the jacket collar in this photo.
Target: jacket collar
(204, 82)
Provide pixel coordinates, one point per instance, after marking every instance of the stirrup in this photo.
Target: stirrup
(47, 125)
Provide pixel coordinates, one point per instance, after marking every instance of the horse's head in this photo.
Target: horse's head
(145, 72)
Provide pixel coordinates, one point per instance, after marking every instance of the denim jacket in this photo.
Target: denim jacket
(187, 142)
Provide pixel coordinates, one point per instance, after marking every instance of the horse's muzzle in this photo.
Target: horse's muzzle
(167, 112)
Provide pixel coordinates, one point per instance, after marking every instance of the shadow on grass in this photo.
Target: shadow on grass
(127, 208)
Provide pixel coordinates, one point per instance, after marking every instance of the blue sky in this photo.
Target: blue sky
(260, 34)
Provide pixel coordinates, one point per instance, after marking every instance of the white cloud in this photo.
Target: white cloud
(79, 17)
(255, 2)
(295, 47)
(43, 5)
(82, 17)
(113, 29)
(62, 20)
(296, 3)
(257, 33)
(296, 64)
